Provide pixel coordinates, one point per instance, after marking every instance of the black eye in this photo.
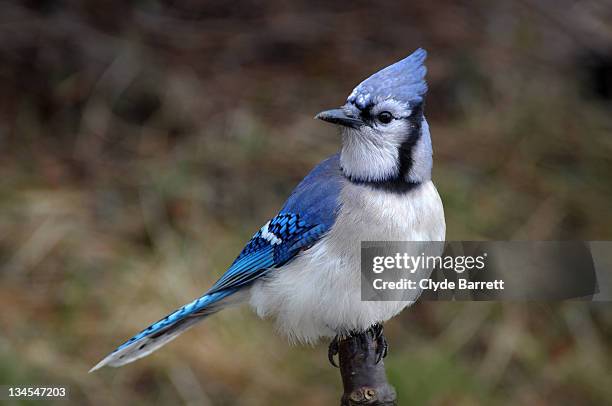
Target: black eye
(385, 117)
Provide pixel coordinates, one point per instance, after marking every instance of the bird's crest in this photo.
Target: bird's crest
(403, 81)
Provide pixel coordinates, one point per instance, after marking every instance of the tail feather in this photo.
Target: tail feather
(166, 329)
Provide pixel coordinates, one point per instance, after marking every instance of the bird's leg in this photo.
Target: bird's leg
(332, 351)
(382, 347)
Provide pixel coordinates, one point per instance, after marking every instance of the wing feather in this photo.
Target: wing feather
(272, 246)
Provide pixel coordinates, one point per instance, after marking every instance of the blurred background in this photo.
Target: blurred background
(142, 143)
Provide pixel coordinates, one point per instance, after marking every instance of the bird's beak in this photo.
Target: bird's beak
(338, 116)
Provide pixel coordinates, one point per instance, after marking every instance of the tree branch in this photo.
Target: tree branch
(364, 380)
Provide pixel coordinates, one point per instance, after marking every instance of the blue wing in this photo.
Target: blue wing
(307, 215)
(273, 245)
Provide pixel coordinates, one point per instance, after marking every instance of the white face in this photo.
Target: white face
(371, 152)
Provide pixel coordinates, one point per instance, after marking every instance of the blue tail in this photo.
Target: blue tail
(166, 329)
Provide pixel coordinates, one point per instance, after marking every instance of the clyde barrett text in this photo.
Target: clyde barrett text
(428, 284)
(413, 263)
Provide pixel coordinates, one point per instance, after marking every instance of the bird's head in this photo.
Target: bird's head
(385, 135)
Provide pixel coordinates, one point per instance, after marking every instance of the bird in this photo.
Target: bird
(302, 267)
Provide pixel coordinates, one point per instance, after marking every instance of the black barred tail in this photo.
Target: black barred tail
(166, 329)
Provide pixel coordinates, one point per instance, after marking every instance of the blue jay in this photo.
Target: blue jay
(303, 266)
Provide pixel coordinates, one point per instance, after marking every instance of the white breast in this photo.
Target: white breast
(319, 292)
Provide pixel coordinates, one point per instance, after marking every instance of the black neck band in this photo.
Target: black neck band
(395, 185)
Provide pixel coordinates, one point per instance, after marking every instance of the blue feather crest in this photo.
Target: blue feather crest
(403, 81)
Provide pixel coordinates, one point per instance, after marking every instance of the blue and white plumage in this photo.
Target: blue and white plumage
(303, 266)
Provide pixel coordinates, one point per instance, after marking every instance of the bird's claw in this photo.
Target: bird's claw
(382, 347)
(332, 351)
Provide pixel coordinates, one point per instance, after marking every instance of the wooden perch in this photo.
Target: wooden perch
(364, 380)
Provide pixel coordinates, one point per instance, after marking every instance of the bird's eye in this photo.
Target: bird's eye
(385, 117)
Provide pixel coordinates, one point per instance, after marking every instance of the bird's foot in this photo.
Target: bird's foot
(382, 347)
(332, 351)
